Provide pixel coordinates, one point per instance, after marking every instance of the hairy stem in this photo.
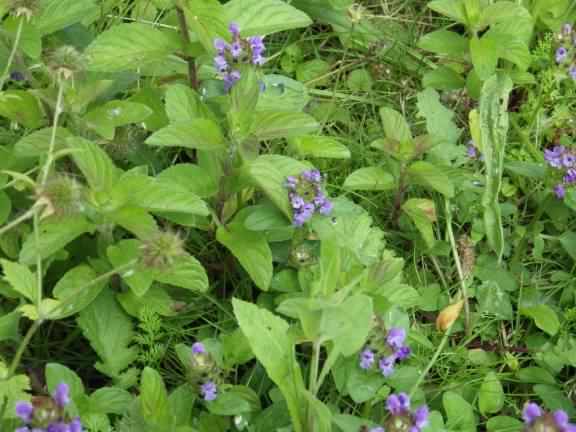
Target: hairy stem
(50, 156)
(6, 72)
(192, 74)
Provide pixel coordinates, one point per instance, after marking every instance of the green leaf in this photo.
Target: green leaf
(504, 424)
(159, 195)
(250, 248)
(423, 213)
(439, 125)
(30, 37)
(153, 396)
(20, 278)
(348, 324)
(192, 177)
(121, 254)
(444, 42)
(183, 104)
(370, 178)
(494, 131)
(262, 17)
(536, 375)
(22, 107)
(106, 118)
(484, 54)
(97, 167)
(9, 327)
(110, 333)
(395, 125)
(180, 401)
(269, 339)
(313, 73)
(134, 219)
(110, 400)
(555, 399)
(57, 373)
(269, 172)
(450, 8)
(128, 47)
(13, 390)
(443, 78)
(5, 207)
(201, 134)
(38, 142)
(568, 242)
(277, 124)
(70, 287)
(230, 403)
(55, 15)
(460, 413)
(265, 217)
(491, 395)
(282, 94)
(185, 272)
(320, 146)
(544, 317)
(208, 19)
(53, 237)
(425, 173)
(493, 300)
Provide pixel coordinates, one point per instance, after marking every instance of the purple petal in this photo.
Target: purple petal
(561, 418)
(25, 411)
(209, 391)
(420, 417)
(76, 425)
(531, 412)
(404, 401)
(234, 29)
(62, 395)
(386, 365)
(559, 191)
(396, 337)
(366, 359)
(403, 352)
(198, 348)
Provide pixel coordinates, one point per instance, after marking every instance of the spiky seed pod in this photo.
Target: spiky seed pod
(467, 255)
(161, 250)
(65, 62)
(24, 8)
(62, 196)
(356, 13)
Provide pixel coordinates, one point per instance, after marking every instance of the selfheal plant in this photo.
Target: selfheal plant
(537, 420)
(306, 196)
(402, 418)
(48, 414)
(394, 350)
(565, 54)
(203, 366)
(240, 50)
(563, 160)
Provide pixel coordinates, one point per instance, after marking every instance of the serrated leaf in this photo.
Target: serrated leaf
(22, 107)
(128, 47)
(20, 278)
(395, 125)
(53, 237)
(185, 272)
(9, 327)
(370, 178)
(38, 142)
(106, 118)
(13, 390)
(269, 339)
(110, 333)
(110, 400)
(208, 19)
(55, 15)
(95, 164)
(320, 146)
(262, 17)
(273, 124)
(484, 55)
(250, 248)
(121, 254)
(450, 8)
(443, 78)
(183, 104)
(444, 42)
(153, 396)
(192, 177)
(504, 424)
(282, 94)
(202, 134)
(425, 173)
(423, 213)
(69, 289)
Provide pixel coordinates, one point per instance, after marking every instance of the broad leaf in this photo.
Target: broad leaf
(185, 272)
(38, 142)
(122, 254)
(484, 54)
(370, 178)
(77, 289)
(153, 397)
(208, 19)
(183, 104)
(12, 390)
(128, 47)
(444, 42)
(423, 213)
(262, 17)
(460, 413)
(20, 278)
(427, 174)
(395, 125)
(97, 167)
(269, 339)
(320, 146)
(22, 107)
(276, 124)
(110, 333)
(57, 373)
(55, 15)
(544, 317)
(106, 118)
(202, 134)
(110, 400)
(491, 395)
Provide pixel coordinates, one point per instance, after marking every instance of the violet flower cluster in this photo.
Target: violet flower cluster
(563, 160)
(47, 414)
(536, 419)
(240, 50)
(565, 52)
(306, 196)
(402, 418)
(208, 389)
(395, 350)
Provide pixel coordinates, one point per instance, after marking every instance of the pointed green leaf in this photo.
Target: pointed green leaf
(20, 278)
(185, 272)
(97, 167)
(202, 134)
(70, 289)
(395, 125)
(272, 124)
(38, 142)
(55, 15)
(370, 178)
(427, 174)
(320, 146)
(544, 317)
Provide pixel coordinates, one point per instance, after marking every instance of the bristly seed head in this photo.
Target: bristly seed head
(161, 250)
(65, 62)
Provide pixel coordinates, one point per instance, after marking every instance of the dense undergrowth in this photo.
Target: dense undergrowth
(274, 215)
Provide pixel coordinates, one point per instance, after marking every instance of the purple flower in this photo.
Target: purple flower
(62, 395)
(420, 417)
(234, 29)
(398, 404)
(403, 352)
(386, 365)
(257, 43)
(570, 176)
(220, 45)
(366, 358)
(22, 429)
(17, 76)
(326, 208)
(472, 152)
(312, 175)
(236, 49)
(568, 160)
(554, 156)
(198, 348)
(76, 425)
(561, 55)
(572, 72)
(230, 79)
(25, 411)
(396, 337)
(559, 191)
(209, 391)
(567, 29)
(531, 412)
(560, 418)
(220, 64)
(377, 429)
(291, 182)
(297, 201)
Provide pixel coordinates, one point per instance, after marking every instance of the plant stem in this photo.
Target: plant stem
(18, 356)
(50, 157)
(399, 195)
(463, 288)
(312, 385)
(6, 72)
(30, 213)
(431, 362)
(192, 74)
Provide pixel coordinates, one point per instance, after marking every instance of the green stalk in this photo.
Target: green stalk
(50, 156)
(6, 72)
